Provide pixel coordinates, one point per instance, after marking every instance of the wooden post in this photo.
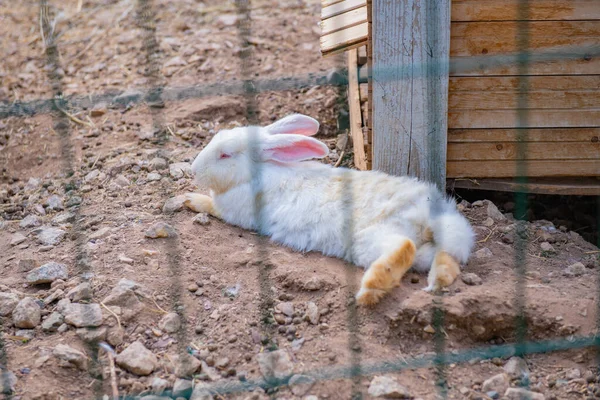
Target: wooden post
(411, 46)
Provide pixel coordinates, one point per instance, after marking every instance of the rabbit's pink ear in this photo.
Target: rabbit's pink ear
(296, 123)
(290, 148)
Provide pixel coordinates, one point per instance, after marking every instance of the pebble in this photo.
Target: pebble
(222, 363)
(201, 219)
(170, 323)
(137, 359)
(50, 236)
(483, 253)
(100, 233)
(52, 322)
(488, 222)
(28, 334)
(429, 329)
(286, 308)
(547, 247)
(275, 364)
(158, 163)
(493, 212)
(159, 385)
(30, 221)
(92, 335)
(54, 203)
(174, 204)
(8, 380)
(83, 291)
(522, 394)
(126, 260)
(63, 218)
(384, 386)
(192, 287)
(182, 388)
(153, 177)
(68, 356)
(301, 384)
(115, 336)
(27, 264)
(576, 269)
(471, 279)
(27, 313)
(497, 383)
(186, 365)
(180, 170)
(199, 329)
(160, 230)
(516, 367)
(47, 273)
(8, 302)
(574, 373)
(83, 315)
(297, 344)
(17, 239)
(312, 313)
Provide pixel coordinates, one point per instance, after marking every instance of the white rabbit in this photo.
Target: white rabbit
(383, 223)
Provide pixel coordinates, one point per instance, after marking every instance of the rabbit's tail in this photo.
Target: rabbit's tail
(452, 234)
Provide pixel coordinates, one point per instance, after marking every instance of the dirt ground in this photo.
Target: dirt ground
(212, 275)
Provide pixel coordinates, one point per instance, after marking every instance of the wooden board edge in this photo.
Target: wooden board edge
(360, 159)
(342, 49)
(578, 187)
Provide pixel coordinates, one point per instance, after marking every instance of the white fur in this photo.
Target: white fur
(310, 206)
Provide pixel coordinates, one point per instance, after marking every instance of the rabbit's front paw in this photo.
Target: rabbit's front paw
(369, 297)
(200, 203)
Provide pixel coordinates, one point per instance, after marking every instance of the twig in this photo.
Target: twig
(339, 161)
(592, 252)
(73, 118)
(113, 374)
(156, 304)
(95, 161)
(488, 236)
(112, 312)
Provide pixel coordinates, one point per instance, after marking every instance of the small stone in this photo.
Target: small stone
(286, 308)
(17, 239)
(384, 386)
(47, 273)
(488, 222)
(574, 373)
(100, 233)
(483, 253)
(301, 384)
(201, 392)
(522, 394)
(199, 329)
(53, 321)
(275, 364)
(160, 230)
(576, 269)
(50, 236)
(27, 314)
(27, 264)
(222, 363)
(494, 213)
(54, 203)
(192, 287)
(153, 177)
(312, 313)
(297, 344)
(547, 247)
(210, 372)
(115, 336)
(174, 204)
(201, 219)
(492, 395)
(429, 329)
(30, 221)
(497, 383)
(186, 365)
(137, 359)
(180, 170)
(68, 356)
(27, 334)
(159, 385)
(170, 323)
(158, 163)
(182, 388)
(63, 328)
(415, 279)
(83, 315)
(126, 260)
(83, 291)
(92, 335)
(8, 380)
(8, 302)
(471, 279)
(516, 367)
(63, 218)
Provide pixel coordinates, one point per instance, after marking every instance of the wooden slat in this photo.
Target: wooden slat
(480, 119)
(568, 99)
(364, 92)
(325, 3)
(344, 39)
(369, 102)
(537, 83)
(569, 66)
(532, 151)
(508, 10)
(343, 21)
(362, 55)
(508, 169)
(556, 186)
(360, 159)
(340, 8)
(589, 135)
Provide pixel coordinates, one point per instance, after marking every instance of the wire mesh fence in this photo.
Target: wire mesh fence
(156, 93)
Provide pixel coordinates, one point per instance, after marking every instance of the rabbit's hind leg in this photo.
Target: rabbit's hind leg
(200, 203)
(386, 272)
(443, 272)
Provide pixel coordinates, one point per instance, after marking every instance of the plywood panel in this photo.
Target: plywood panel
(531, 151)
(551, 118)
(508, 10)
(508, 169)
(590, 135)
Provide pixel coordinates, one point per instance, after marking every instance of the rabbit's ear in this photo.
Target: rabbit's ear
(296, 123)
(290, 148)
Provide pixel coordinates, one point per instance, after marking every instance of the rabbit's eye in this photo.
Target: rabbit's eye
(224, 155)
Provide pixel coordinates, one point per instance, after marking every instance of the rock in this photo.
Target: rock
(275, 364)
(92, 335)
(53, 321)
(160, 230)
(301, 384)
(151, 396)
(471, 279)
(210, 372)
(297, 344)
(153, 177)
(27, 314)
(180, 170)
(170, 323)
(483, 253)
(174, 204)
(47, 273)
(185, 365)
(222, 363)
(30, 221)
(27, 264)
(50, 236)
(576, 269)
(201, 392)
(384, 386)
(83, 291)
(63, 218)
(286, 308)
(115, 336)
(488, 222)
(128, 96)
(17, 239)
(182, 388)
(100, 233)
(493, 212)
(137, 359)
(547, 247)
(157, 164)
(497, 383)
(57, 294)
(8, 380)
(126, 260)
(201, 219)
(159, 385)
(54, 203)
(99, 110)
(312, 313)
(121, 181)
(516, 367)
(225, 20)
(28, 334)
(522, 394)
(125, 298)
(68, 356)
(83, 315)
(574, 373)
(8, 302)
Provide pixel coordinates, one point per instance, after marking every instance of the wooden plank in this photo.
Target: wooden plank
(362, 55)
(590, 135)
(511, 83)
(325, 3)
(549, 118)
(488, 66)
(556, 186)
(340, 8)
(411, 41)
(508, 10)
(508, 169)
(343, 21)
(533, 151)
(369, 102)
(491, 100)
(360, 159)
(342, 40)
(364, 92)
